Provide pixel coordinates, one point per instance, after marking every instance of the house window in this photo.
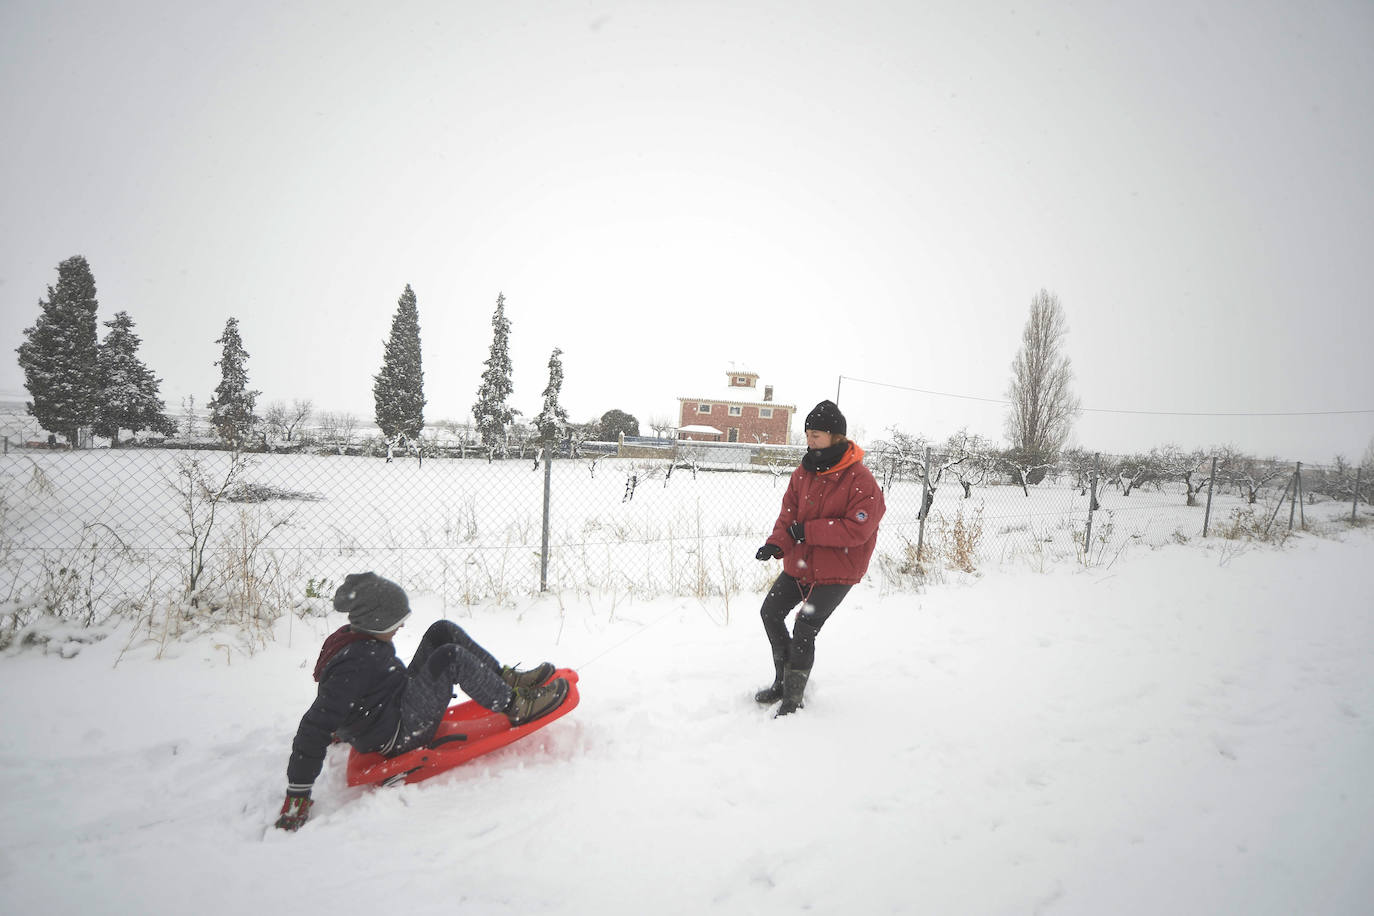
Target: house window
(765, 413)
(741, 380)
(736, 411)
(734, 434)
(703, 408)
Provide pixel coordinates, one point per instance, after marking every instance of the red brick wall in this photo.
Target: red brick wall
(748, 423)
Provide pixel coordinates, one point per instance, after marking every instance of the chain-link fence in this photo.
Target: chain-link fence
(90, 532)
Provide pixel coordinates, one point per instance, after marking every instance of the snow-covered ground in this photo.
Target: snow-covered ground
(1190, 730)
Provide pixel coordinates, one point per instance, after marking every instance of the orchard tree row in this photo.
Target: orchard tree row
(969, 460)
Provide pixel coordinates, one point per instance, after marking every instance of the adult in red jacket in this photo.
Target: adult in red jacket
(824, 536)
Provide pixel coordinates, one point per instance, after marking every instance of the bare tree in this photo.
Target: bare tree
(1250, 475)
(970, 457)
(189, 418)
(1042, 405)
(285, 422)
(1023, 471)
(1080, 464)
(327, 427)
(347, 425)
(899, 457)
(662, 426)
(1133, 470)
(298, 416)
(1192, 468)
(336, 429)
(274, 418)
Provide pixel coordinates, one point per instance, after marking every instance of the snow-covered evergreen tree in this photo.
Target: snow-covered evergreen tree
(399, 389)
(492, 414)
(553, 419)
(617, 423)
(128, 389)
(58, 355)
(231, 408)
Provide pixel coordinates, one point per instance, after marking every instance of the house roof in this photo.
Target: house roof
(739, 396)
(743, 395)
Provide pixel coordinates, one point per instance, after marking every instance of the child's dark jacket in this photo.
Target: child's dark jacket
(358, 701)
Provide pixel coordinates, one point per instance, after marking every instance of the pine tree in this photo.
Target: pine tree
(58, 355)
(128, 389)
(231, 408)
(491, 414)
(399, 389)
(553, 419)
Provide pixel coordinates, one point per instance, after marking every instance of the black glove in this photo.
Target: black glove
(769, 552)
(294, 811)
(798, 531)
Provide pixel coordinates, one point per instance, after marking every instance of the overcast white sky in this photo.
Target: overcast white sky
(867, 189)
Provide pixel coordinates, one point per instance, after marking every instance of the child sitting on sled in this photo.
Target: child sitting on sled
(369, 699)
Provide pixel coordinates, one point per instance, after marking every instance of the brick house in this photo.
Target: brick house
(736, 414)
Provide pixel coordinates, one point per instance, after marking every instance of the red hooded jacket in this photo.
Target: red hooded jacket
(841, 508)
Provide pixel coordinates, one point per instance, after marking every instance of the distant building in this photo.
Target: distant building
(736, 414)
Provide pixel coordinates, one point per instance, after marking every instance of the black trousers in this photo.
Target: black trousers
(446, 657)
(797, 649)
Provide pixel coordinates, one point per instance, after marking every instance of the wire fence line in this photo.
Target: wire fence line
(89, 533)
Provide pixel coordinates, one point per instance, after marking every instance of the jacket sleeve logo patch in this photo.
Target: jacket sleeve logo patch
(861, 515)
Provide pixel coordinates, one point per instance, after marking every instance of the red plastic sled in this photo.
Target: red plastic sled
(467, 731)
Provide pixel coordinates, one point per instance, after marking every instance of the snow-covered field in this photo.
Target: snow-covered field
(1190, 730)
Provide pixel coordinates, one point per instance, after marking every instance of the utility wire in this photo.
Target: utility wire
(1154, 413)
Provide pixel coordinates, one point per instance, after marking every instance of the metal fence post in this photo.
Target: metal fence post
(1302, 510)
(1354, 502)
(1207, 516)
(544, 547)
(1297, 492)
(1279, 505)
(925, 490)
(1092, 504)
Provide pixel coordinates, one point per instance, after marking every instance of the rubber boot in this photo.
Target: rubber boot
(530, 703)
(531, 678)
(769, 695)
(793, 687)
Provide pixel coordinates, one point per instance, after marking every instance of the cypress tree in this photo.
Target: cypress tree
(399, 389)
(231, 408)
(128, 389)
(491, 414)
(58, 355)
(553, 419)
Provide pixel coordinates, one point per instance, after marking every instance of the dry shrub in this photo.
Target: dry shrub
(957, 540)
(1245, 524)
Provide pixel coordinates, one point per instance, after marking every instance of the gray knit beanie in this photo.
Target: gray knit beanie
(373, 604)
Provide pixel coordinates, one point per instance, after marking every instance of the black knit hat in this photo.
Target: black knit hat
(373, 604)
(826, 417)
